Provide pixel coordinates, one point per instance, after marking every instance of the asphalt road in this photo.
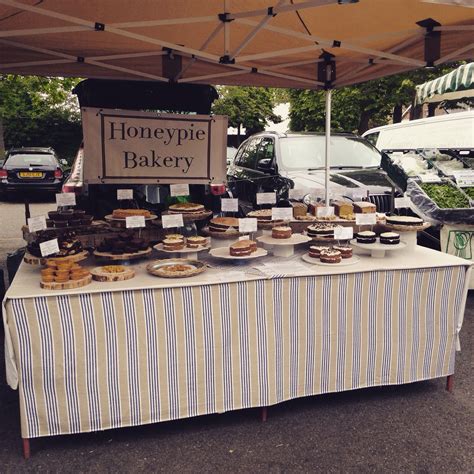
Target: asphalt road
(418, 427)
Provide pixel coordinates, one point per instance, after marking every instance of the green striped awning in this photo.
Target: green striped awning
(462, 79)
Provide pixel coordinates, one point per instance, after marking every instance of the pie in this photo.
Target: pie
(124, 213)
(186, 208)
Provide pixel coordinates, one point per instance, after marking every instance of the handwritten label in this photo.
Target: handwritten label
(132, 222)
(123, 194)
(282, 213)
(343, 233)
(229, 205)
(36, 224)
(325, 211)
(244, 237)
(248, 224)
(266, 198)
(179, 189)
(366, 219)
(465, 181)
(402, 203)
(173, 220)
(429, 178)
(49, 247)
(65, 199)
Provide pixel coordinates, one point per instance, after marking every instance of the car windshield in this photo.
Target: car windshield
(307, 152)
(30, 159)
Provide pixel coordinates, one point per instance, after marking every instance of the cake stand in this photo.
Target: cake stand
(408, 233)
(221, 239)
(186, 252)
(377, 250)
(284, 247)
(190, 217)
(224, 253)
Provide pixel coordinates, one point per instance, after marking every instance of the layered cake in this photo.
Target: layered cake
(320, 230)
(224, 224)
(241, 248)
(364, 207)
(173, 244)
(261, 214)
(344, 209)
(175, 237)
(186, 208)
(315, 250)
(281, 232)
(346, 250)
(330, 256)
(404, 220)
(124, 213)
(196, 241)
(366, 237)
(389, 238)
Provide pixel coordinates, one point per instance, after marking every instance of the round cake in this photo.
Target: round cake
(261, 214)
(321, 230)
(241, 248)
(173, 244)
(330, 256)
(196, 241)
(281, 232)
(404, 220)
(175, 237)
(186, 208)
(389, 238)
(315, 250)
(346, 250)
(366, 237)
(224, 224)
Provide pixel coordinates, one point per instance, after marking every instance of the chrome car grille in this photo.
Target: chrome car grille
(382, 201)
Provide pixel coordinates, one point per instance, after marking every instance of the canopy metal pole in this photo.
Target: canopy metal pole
(327, 145)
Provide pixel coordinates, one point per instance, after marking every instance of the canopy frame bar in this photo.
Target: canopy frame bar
(454, 54)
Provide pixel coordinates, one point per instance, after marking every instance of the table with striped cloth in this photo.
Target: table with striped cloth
(105, 358)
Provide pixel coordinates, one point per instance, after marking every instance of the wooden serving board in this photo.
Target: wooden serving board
(122, 256)
(98, 274)
(77, 257)
(68, 285)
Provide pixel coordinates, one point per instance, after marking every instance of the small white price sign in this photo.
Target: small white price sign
(465, 181)
(325, 211)
(248, 224)
(429, 178)
(133, 222)
(402, 203)
(49, 247)
(343, 233)
(123, 194)
(244, 237)
(174, 220)
(65, 199)
(297, 194)
(266, 198)
(179, 189)
(282, 213)
(36, 224)
(366, 219)
(229, 205)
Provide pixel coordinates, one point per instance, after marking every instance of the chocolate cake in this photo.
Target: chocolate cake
(389, 238)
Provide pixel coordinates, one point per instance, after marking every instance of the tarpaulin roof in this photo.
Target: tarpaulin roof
(460, 80)
(246, 42)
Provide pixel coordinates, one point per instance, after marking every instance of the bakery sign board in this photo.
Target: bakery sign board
(122, 146)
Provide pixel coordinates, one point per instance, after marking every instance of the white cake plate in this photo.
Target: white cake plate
(224, 253)
(284, 247)
(345, 261)
(377, 250)
(188, 252)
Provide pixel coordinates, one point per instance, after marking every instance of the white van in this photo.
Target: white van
(453, 131)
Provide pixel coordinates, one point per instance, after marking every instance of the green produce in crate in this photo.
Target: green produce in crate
(445, 196)
(469, 192)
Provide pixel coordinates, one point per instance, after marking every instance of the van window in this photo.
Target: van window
(372, 138)
(249, 154)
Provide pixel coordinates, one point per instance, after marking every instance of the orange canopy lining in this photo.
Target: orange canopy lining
(277, 43)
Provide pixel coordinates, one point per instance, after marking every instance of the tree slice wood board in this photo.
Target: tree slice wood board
(99, 274)
(77, 257)
(122, 256)
(68, 285)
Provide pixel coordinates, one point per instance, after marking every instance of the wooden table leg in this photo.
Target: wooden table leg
(26, 448)
(450, 382)
(263, 414)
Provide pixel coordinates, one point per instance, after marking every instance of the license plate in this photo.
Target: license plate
(31, 174)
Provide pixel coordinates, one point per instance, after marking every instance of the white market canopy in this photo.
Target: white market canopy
(275, 43)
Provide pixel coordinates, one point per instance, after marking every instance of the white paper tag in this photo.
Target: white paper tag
(49, 247)
(229, 205)
(244, 237)
(402, 203)
(465, 181)
(366, 219)
(124, 194)
(172, 220)
(133, 222)
(248, 224)
(65, 199)
(429, 178)
(297, 194)
(282, 213)
(325, 211)
(343, 233)
(179, 189)
(36, 224)
(266, 198)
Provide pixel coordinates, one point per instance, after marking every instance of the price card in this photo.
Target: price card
(66, 199)
(366, 219)
(244, 237)
(282, 213)
(325, 211)
(179, 189)
(248, 224)
(266, 198)
(49, 247)
(402, 203)
(297, 194)
(343, 233)
(174, 220)
(229, 205)
(465, 181)
(36, 224)
(429, 178)
(133, 222)
(123, 194)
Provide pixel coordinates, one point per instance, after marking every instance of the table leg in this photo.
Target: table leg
(450, 382)
(26, 448)
(263, 413)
